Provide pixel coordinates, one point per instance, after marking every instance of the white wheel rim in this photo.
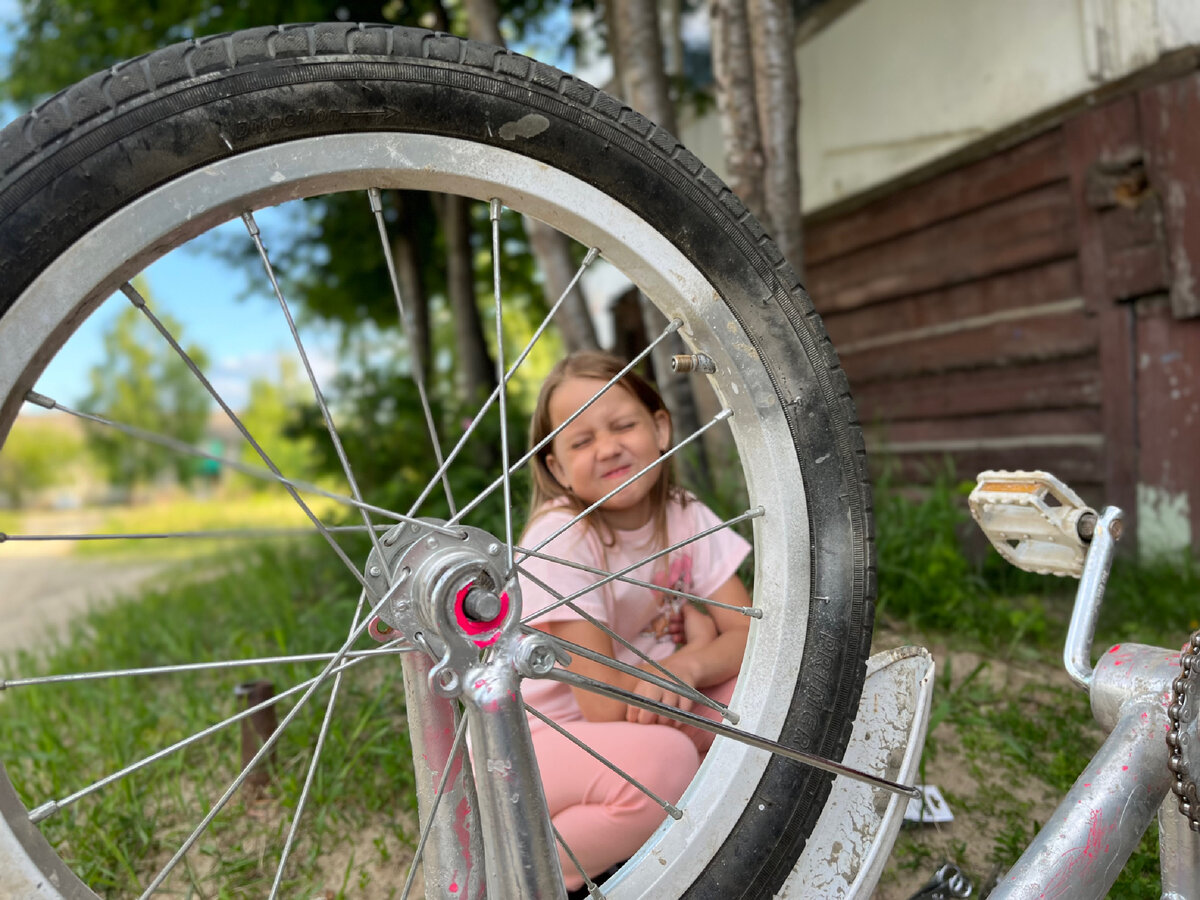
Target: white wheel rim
(147, 228)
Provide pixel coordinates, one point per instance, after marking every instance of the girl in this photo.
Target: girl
(602, 817)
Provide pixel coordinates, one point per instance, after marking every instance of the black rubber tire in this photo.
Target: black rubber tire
(97, 146)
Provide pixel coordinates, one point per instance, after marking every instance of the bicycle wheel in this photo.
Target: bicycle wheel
(111, 174)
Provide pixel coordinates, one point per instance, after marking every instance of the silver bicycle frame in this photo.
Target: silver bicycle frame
(1085, 844)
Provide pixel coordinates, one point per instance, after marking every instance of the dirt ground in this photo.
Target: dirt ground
(42, 587)
(982, 796)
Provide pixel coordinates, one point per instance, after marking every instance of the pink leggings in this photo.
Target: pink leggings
(600, 815)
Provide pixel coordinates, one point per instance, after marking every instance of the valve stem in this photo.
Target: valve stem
(693, 362)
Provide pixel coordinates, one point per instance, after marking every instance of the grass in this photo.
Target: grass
(996, 711)
(248, 511)
(270, 602)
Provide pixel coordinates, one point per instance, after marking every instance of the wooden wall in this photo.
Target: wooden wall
(1035, 309)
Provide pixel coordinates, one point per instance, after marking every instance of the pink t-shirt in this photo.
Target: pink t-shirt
(636, 613)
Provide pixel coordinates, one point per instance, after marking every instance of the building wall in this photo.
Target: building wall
(1037, 309)
(892, 85)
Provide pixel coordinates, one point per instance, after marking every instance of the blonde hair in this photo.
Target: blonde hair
(546, 488)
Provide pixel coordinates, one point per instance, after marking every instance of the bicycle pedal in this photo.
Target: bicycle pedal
(1034, 521)
(949, 882)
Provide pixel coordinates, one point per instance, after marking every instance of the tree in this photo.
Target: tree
(758, 96)
(272, 414)
(38, 454)
(142, 382)
(635, 41)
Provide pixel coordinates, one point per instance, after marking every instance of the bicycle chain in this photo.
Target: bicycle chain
(1185, 693)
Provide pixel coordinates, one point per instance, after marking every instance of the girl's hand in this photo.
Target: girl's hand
(655, 693)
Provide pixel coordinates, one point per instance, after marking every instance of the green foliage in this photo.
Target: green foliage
(272, 413)
(1156, 601)
(38, 454)
(927, 580)
(142, 382)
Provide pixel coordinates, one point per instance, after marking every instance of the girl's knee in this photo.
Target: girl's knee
(667, 762)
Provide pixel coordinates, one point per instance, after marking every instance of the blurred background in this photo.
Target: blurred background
(995, 206)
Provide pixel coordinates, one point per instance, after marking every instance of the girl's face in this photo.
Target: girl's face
(616, 437)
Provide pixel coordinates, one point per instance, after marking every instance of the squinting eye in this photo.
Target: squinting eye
(579, 444)
(623, 426)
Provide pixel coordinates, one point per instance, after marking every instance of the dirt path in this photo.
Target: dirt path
(42, 586)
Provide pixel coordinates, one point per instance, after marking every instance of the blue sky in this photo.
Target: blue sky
(244, 336)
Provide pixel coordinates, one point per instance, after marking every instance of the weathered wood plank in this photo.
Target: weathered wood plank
(1066, 426)
(1074, 465)
(1005, 343)
(1059, 384)
(1108, 135)
(1168, 382)
(1171, 132)
(952, 309)
(1034, 227)
(1028, 165)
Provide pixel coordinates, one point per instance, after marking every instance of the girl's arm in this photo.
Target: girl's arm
(701, 667)
(708, 665)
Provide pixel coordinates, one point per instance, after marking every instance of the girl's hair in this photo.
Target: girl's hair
(603, 367)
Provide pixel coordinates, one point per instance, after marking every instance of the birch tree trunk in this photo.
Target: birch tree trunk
(633, 26)
(737, 104)
(773, 45)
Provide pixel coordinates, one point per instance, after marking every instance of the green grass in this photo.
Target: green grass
(247, 511)
(55, 740)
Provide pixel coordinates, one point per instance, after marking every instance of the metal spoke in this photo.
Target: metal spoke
(390, 649)
(672, 326)
(671, 809)
(139, 303)
(53, 806)
(414, 349)
(751, 611)
(339, 448)
(210, 534)
(487, 404)
(312, 764)
(507, 477)
(670, 680)
(626, 579)
(437, 799)
(593, 891)
(262, 751)
(179, 446)
(695, 435)
(720, 728)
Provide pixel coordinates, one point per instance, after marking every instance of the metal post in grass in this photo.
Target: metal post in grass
(256, 729)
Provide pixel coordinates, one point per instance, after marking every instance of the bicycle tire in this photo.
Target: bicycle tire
(143, 126)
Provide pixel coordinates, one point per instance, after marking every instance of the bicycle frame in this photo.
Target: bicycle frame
(1087, 841)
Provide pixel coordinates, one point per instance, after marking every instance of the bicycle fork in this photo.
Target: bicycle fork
(452, 599)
